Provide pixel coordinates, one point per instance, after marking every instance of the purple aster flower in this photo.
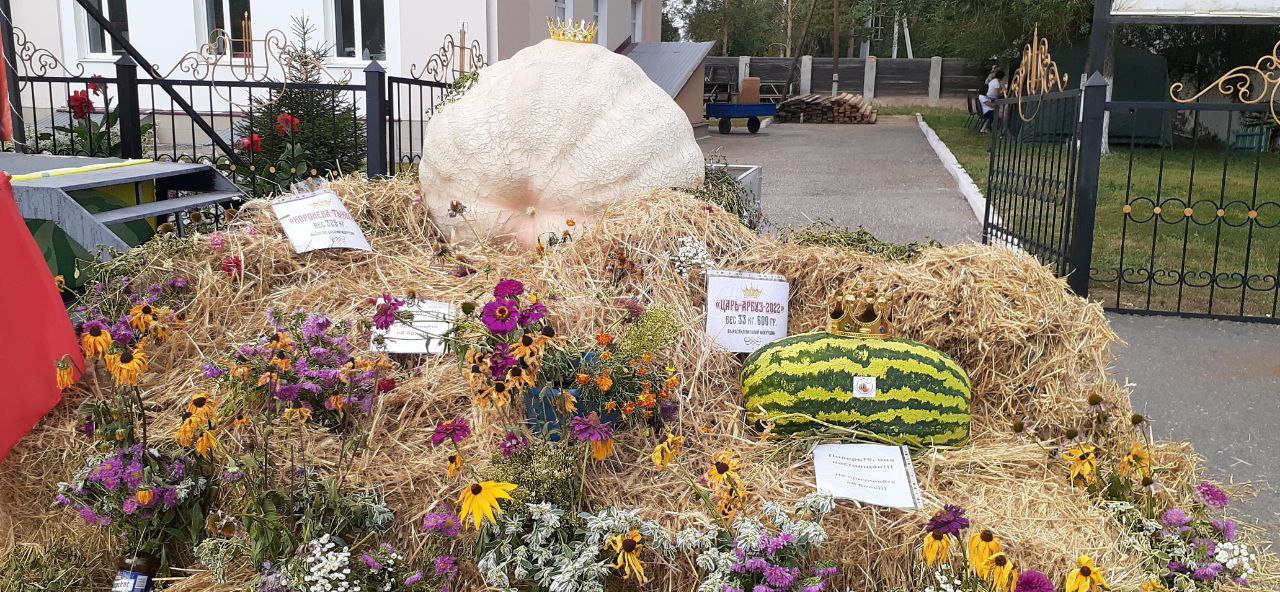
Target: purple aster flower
(446, 565)
(508, 288)
(1207, 573)
(1178, 567)
(1212, 495)
(1175, 518)
(780, 577)
(762, 588)
(445, 523)
(950, 520)
(1033, 581)
(133, 474)
(462, 271)
(1226, 527)
(168, 496)
(500, 316)
(93, 518)
(212, 371)
(728, 588)
(532, 315)
(315, 326)
(177, 283)
(385, 315)
(456, 430)
(88, 427)
(590, 428)
(755, 564)
(413, 579)
(514, 443)
(826, 572)
(370, 562)
(130, 506)
(817, 586)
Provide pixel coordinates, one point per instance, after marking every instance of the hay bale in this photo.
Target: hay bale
(1035, 353)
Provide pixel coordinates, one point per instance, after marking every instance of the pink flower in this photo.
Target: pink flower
(508, 288)
(1212, 495)
(456, 430)
(500, 316)
(217, 241)
(385, 315)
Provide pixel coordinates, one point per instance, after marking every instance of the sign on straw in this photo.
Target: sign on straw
(422, 333)
(318, 220)
(746, 310)
(876, 474)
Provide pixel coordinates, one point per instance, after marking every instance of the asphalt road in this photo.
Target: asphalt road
(884, 177)
(1217, 385)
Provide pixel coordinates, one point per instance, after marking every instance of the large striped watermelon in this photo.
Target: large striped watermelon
(920, 396)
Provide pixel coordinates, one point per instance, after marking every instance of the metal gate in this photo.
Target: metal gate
(1031, 184)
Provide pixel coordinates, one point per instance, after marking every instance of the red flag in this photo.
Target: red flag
(36, 332)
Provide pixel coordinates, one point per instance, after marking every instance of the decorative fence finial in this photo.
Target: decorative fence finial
(1238, 82)
(1037, 74)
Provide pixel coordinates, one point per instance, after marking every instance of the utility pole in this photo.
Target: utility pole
(791, 5)
(725, 44)
(835, 48)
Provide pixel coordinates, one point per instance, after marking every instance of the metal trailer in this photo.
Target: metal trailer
(727, 112)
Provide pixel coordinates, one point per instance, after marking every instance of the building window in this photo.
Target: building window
(118, 15)
(595, 11)
(238, 29)
(637, 19)
(359, 29)
(562, 10)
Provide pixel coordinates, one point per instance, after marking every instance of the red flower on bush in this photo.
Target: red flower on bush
(386, 385)
(287, 124)
(97, 85)
(80, 104)
(232, 266)
(251, 144)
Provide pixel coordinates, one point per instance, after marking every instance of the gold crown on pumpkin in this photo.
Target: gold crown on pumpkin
(860, 315)
(582, 31)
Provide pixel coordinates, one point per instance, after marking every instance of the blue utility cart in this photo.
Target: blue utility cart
(727, 112)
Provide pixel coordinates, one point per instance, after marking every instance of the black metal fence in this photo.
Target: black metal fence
(1194, 229)
(1031, 184)
(267, 134)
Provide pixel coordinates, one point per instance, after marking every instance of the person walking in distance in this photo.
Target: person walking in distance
(988, 98)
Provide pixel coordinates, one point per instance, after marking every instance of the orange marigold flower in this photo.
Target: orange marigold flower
(582, 379)
(604, 339)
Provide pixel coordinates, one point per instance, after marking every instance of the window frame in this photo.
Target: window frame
(206, 27)
(357, 16)
(84, 39)
(637, 20)
(561, 10)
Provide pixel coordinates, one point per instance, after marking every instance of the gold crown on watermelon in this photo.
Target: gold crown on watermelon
(573, 31)
(860, 315)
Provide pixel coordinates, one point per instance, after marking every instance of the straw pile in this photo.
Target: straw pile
(1035, 353)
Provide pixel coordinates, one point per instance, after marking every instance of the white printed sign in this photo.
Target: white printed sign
(746, 310)
(1201, 8)
(318, 220)
(422, 334)
(876, 474)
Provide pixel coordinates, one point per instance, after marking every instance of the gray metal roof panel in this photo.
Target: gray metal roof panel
(670, 64)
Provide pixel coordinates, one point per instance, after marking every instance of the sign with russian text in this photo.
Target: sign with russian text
(876, 474)
(1198, 8)
(318, 220)
(422, 333)
(746, 310)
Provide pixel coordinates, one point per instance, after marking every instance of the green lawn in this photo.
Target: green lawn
(1158, 249)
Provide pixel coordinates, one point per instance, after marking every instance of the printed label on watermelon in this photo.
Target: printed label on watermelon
(864, 387)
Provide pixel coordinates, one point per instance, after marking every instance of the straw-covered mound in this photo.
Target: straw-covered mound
(1035, 354)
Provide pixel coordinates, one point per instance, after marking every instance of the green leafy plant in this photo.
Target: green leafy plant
(826, 234)
(296, 132)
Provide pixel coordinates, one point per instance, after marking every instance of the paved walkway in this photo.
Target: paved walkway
(1216, 384)
(884, 177)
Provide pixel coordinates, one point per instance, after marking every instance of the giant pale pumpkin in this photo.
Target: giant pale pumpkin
(559, 131)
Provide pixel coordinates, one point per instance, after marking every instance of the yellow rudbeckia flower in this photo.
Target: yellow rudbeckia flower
(65, 374)
(1085, 577)
(455, 464)
(937, 548)
(481, 501)
(999, 571)
(95, 342)
(1138, 460)
(666, 452)
(128, 366)
(1084, 463)
(628, 547)
(982, 545)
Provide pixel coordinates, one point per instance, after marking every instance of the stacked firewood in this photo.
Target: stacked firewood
(815, 108)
